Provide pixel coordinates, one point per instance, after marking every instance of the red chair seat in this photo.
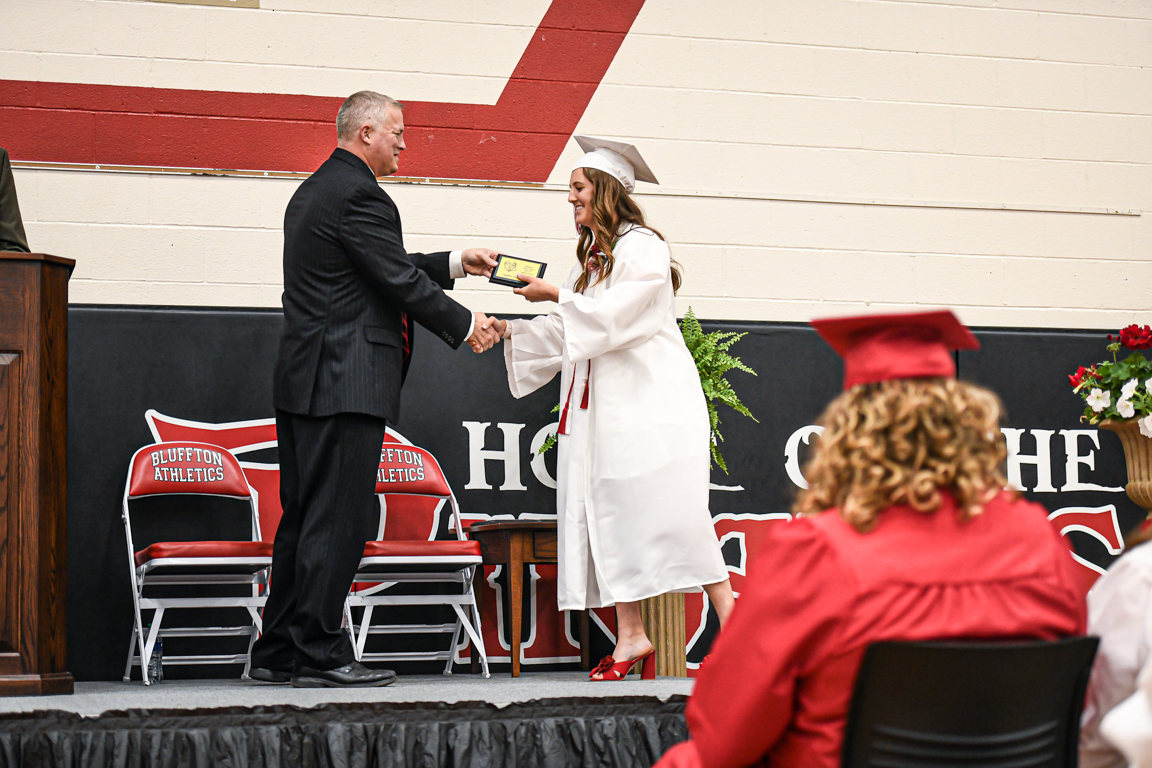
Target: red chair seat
(407, 549)
(164, 550)
(400, 557)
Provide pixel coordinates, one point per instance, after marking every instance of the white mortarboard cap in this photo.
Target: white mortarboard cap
(616, 158)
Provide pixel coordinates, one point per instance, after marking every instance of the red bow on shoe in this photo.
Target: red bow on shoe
(604, 665)
(610, 669)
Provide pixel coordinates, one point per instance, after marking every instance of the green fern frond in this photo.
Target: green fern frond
(710, 352)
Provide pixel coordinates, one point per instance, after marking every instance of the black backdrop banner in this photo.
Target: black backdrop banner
(215, 366)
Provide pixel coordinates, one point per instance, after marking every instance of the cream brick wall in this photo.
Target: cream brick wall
(817, 156)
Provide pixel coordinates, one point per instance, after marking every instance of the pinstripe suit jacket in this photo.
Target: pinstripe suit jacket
(347, 278)
(12, 237)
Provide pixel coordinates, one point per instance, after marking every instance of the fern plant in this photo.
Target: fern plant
(710, 352)
(713, 362)
(550, 441)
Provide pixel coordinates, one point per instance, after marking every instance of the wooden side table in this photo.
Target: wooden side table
(514, 544)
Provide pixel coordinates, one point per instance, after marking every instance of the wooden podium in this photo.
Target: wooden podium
(33, 466)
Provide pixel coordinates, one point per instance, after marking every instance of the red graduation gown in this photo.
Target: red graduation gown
(777, 686)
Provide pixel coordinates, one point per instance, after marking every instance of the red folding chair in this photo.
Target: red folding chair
(407, 472)
(192, 469)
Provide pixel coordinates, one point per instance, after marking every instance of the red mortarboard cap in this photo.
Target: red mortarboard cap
(884, 347)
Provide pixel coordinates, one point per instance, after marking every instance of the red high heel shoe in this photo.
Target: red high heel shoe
(618, 670)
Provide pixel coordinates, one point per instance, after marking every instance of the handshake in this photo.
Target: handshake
(486, 332)
(489, 330)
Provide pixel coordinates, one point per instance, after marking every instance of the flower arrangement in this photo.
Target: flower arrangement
(1119, 389)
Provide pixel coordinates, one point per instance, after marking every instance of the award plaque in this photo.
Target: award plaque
(507, 267)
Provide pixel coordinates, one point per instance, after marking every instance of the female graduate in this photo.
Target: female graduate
(633, 457)
(904, 533)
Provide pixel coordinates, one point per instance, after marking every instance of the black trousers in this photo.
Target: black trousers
(328, 491)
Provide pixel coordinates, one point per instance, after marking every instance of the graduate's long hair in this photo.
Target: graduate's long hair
(611, 207)
(905, 442)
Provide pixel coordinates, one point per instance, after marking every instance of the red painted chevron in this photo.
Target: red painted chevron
(517, 139)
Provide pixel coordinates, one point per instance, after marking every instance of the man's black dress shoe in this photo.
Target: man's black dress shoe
(265, 675)
(351, 675)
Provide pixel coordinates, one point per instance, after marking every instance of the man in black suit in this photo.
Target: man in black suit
(351, 294)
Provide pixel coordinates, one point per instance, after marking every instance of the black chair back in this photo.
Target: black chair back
(1005, 704)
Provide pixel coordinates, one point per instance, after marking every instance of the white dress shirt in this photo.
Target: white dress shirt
(456, 271)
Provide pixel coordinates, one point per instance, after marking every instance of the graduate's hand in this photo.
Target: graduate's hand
(484, 334)
(479, 261)
(500, 326)
(538, 289)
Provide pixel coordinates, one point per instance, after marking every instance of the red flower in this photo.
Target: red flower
(1075, 379)
(1135, 337)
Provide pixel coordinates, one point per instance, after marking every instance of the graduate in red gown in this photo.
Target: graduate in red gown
(904, 533)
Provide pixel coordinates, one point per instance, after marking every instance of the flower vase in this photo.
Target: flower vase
(1138, 457)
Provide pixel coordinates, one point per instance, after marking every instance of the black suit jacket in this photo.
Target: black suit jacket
(347, 278)
(12, 237)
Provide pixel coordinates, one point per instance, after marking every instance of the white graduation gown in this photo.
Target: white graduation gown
(633, 472)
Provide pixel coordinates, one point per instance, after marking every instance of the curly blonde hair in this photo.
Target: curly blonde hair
(903, 442)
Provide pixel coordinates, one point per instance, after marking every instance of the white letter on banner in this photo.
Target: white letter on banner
(477, 455)
(1042, 459)
(539, 468)
(1075, 459)
(792, 453)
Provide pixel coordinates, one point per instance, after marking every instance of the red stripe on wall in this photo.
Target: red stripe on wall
(519, 138)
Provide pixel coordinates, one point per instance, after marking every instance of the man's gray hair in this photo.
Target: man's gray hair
(361, 108)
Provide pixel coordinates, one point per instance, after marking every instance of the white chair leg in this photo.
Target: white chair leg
(150, 643)
(257, 621)
(131, 651)
(362, 640)
(351, 627)
(136, 594)
(479, 631)
(474, 634)
(453, 647)
(248, 659)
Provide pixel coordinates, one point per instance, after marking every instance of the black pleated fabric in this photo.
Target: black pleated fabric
(551, 733)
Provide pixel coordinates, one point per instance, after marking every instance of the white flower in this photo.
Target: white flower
(1148, 384)
(1145, 425)
(1098, 399)
(1125, 409)
(1128, 390)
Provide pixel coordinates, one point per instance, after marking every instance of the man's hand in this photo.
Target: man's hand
(538, 289)
(484, 334)
(479, 261)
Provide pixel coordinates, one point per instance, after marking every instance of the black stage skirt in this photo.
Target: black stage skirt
(553, 733)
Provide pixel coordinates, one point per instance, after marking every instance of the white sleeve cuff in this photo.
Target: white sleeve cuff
(456, 266)
(471, 327)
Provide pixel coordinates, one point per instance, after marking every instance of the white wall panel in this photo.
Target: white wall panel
(1089, 39)
(325, 49)
(162, 30)
(497, 12)
(827, 114)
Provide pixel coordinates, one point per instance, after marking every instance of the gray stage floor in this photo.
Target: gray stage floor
(92, 699)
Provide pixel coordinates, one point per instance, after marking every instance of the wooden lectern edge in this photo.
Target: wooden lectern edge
(44, 684)
(18, 256)
(35, 564)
